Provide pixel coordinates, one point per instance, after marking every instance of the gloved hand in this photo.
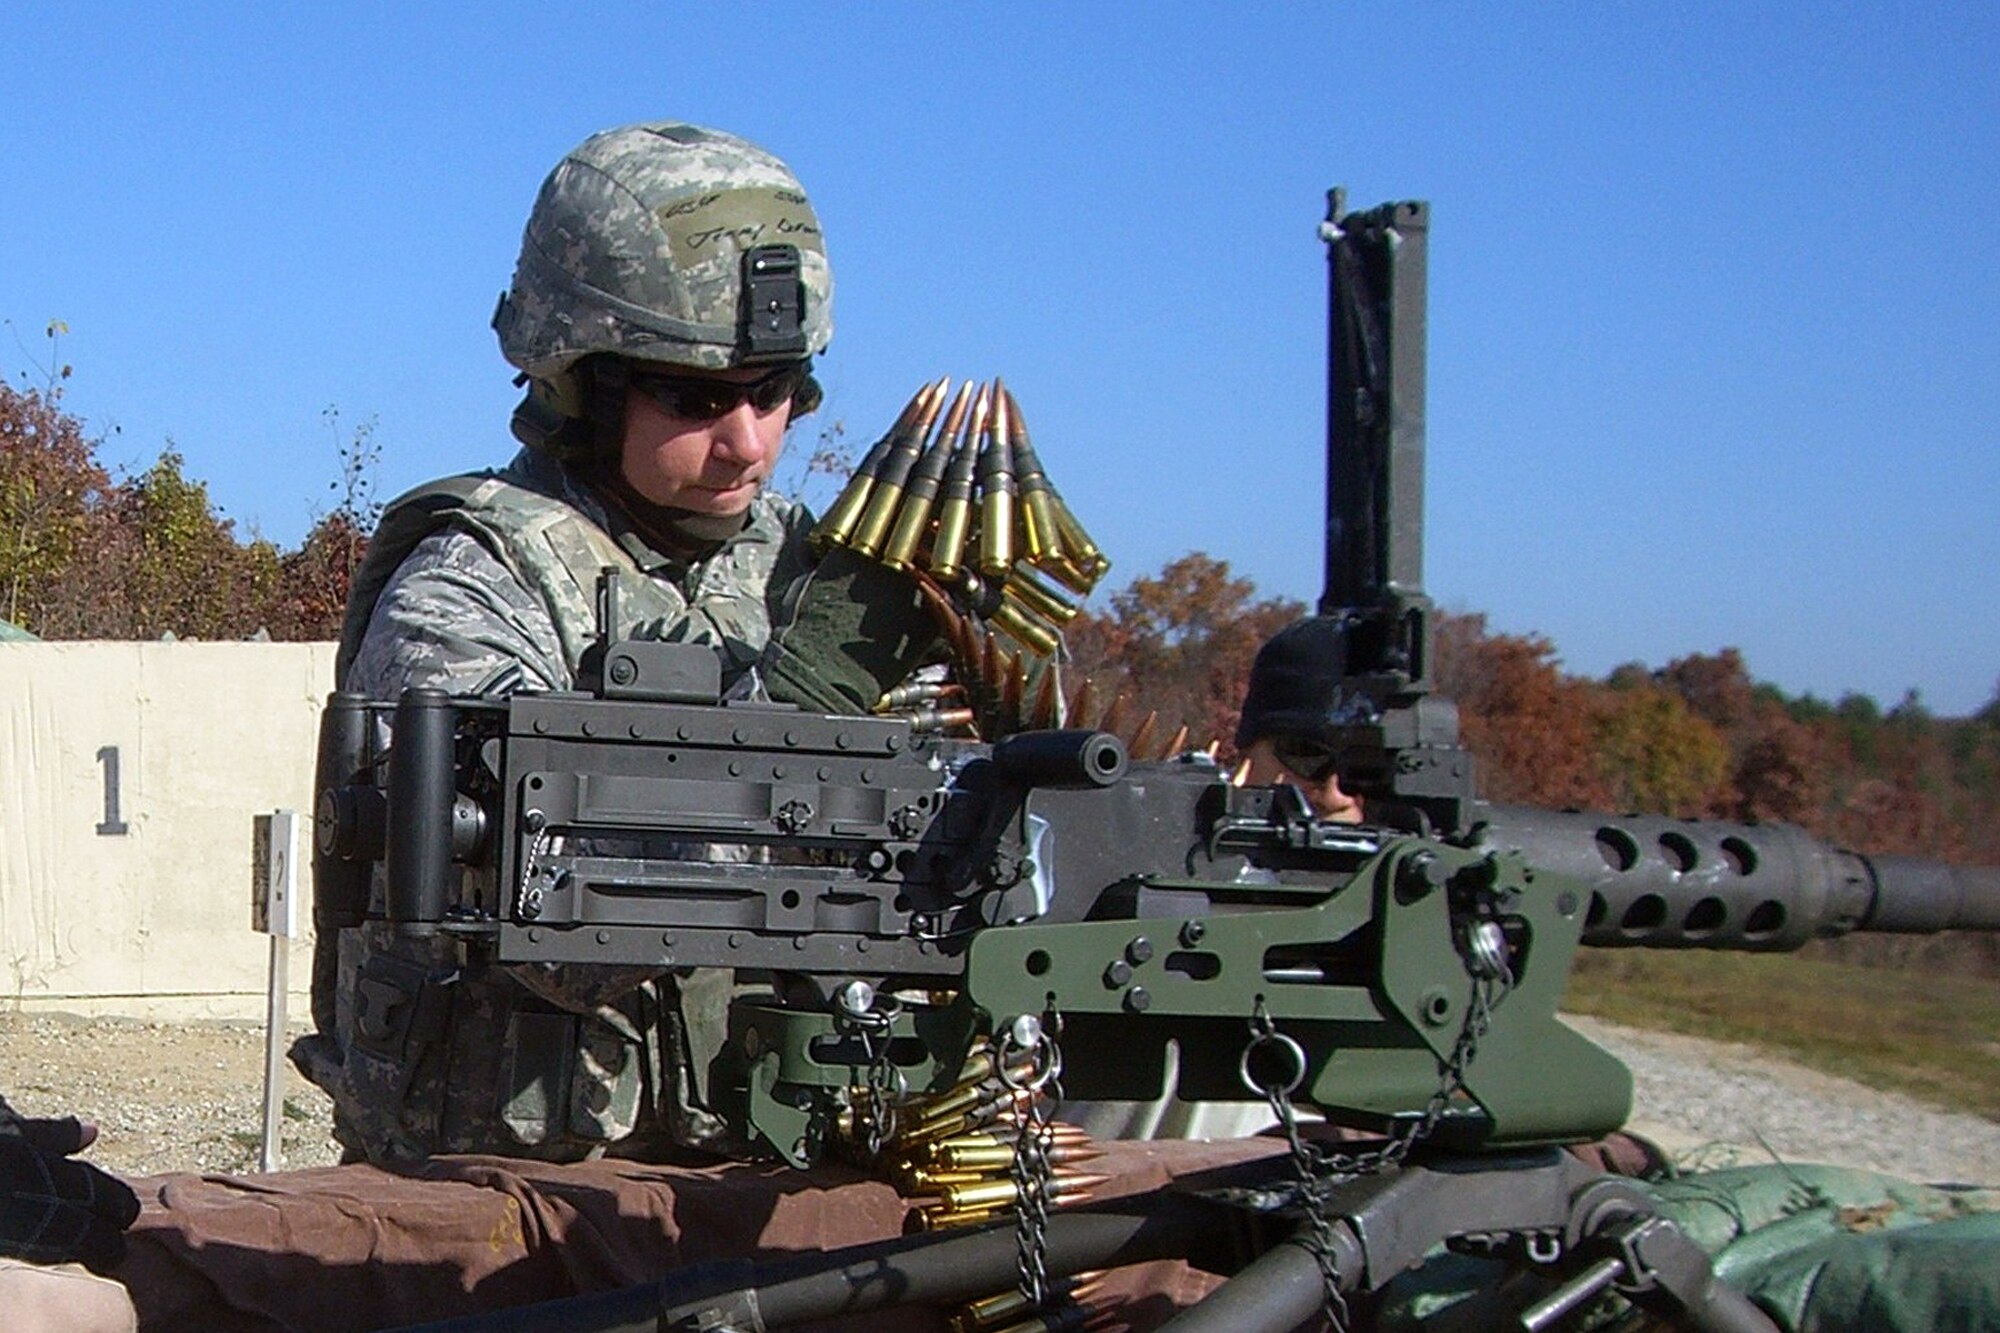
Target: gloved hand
(54, 1209)
(855, 629)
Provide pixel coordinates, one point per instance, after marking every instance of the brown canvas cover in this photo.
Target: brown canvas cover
(357, 1247)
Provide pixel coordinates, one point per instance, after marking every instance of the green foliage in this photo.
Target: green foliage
(1659, 754)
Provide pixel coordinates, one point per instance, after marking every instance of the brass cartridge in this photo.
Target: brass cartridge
(1040, 534)
(954, 507)
(887, 494)
(920, 492)
(1026, 628)
(996, 495)
(1039, 597)
(840, 521)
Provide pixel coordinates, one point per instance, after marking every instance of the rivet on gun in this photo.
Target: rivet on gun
(843, 741)
(1566, 903)
(638, 732)
(791, 738)
(1138, 1000)
(1192, 932)
(825, 774)
(735, 940)
(739, 735)
(541, 725)
(535, 936)
(666, 939)
(681, 732)
(855, 998)
(1117, 973)
(604, 937)
(534, 821)
(1435, 1006)
(778, 772)
(623, 671)
(735, 769)
(590, 729)
(894, 743)
(1139, 950)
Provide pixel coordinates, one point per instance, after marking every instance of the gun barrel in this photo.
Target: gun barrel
(1918, 897)
(1664, 883)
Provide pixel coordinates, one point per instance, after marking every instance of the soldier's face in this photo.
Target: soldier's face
(1324, 793)
(710, 465)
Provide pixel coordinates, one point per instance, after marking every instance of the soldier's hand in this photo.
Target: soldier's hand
(855, 629)
(53, 1208)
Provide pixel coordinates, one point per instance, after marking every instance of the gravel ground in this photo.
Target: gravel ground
(189, 1097)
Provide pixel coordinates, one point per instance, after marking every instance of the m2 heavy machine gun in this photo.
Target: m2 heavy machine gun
(915, 904)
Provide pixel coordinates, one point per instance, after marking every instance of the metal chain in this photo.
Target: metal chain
(1030, 1170)
(885, 1084)
(1318, 1168)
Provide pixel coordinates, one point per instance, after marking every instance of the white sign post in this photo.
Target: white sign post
(274, 911)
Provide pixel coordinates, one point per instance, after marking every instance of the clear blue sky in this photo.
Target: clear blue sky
(1715, 288)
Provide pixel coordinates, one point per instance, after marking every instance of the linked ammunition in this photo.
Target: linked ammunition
(989, 1313)
(1002, 1155)
(1085, 703)
(1066, 1187)
(1025, 628)
(1177, 744)
(996, 495)
(1062, 1319)
(1043, 600)
(1014, 685)
(1143, 737)
(1068, 1135)
(920, 492)
(887, 494)
(840, 521)
(1078, 548)
(954, 506)
(933, 721)
(916, 694)
(1047, 710)
(939, 1219)
(1039, 532)
(1114, 717)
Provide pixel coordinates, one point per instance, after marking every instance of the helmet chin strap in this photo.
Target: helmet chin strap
(671, 531)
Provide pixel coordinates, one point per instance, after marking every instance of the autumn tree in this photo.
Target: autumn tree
(50, 487)
(1531, 728)
(1182, 642)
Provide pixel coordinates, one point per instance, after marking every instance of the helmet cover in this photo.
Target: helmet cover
(637, 248)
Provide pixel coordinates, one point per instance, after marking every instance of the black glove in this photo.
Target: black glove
(856, 628)
(54, 1209)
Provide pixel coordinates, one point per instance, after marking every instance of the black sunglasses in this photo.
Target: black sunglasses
(1312, 760)
(701, 398)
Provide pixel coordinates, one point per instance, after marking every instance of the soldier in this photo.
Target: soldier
(1287, 713)
(671, 294)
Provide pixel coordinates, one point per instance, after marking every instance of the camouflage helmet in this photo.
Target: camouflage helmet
(669, 243)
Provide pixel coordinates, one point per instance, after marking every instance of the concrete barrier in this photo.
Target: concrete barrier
(130, 774)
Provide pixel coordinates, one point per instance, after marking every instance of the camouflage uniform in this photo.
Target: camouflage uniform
(660, 247)
(485, 583)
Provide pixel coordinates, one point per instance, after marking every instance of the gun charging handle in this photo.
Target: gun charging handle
(422, 794)
(347, 825)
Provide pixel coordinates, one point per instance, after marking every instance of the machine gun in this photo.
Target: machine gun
(910, 896)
